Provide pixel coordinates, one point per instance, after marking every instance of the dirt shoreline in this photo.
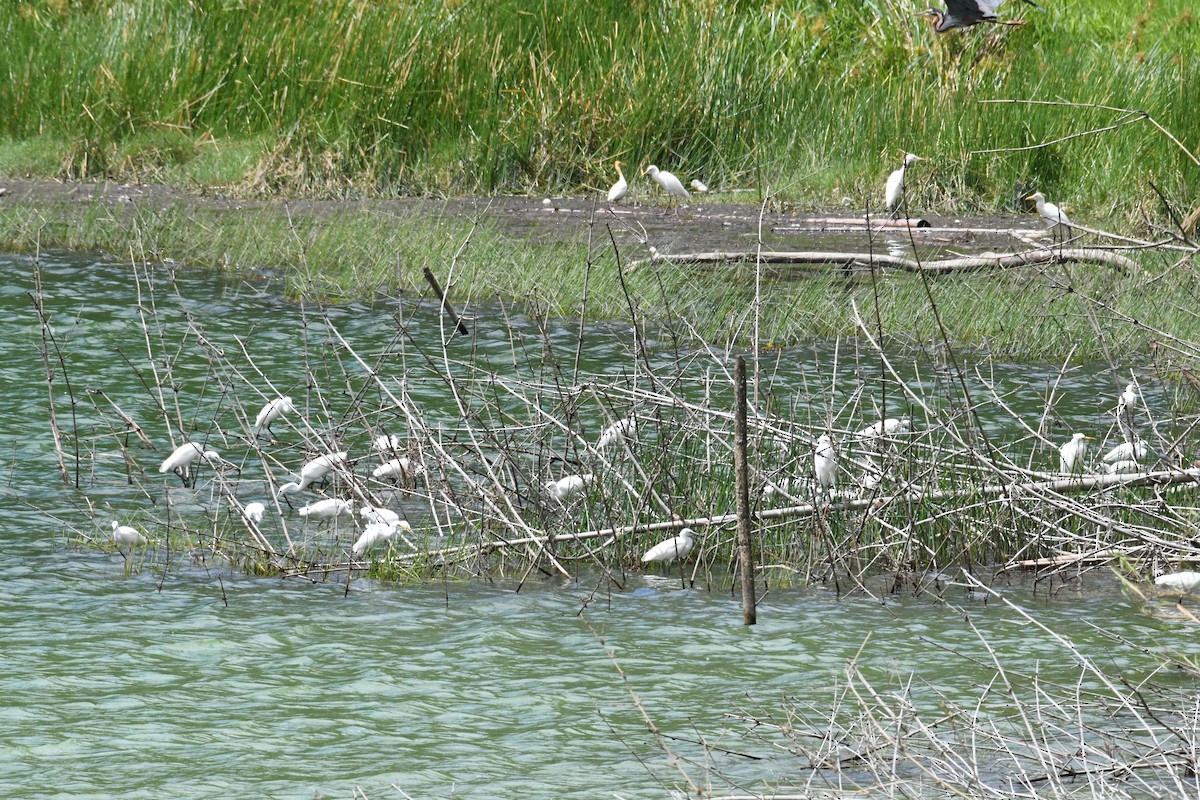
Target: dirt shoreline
(700, 225)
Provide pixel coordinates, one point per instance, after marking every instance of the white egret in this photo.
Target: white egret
(388, 443)
(377, 533)
(568, 486)
(698, 187)
(184, 456)
(1053, 216)
(1185, 581)
(314, 471)
(396, 468)
(377, 514)
(888, 427)
(327, 509)
(1129, 398)
(254, 512)
(272, 411)
(127, 535)
(1070, 455)
(621, 187)
(965, 13)
(668, 182)
(671, 549)
(617, 433)
(895, 181)
(825, 463)
(1122, 467)
(1127, 451)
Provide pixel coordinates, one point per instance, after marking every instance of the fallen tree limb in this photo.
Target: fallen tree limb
(985, 261)
(1032, 488)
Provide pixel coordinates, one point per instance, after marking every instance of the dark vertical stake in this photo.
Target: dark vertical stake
(740, 467)
(441, 295)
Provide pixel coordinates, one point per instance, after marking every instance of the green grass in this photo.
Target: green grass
(814, 100)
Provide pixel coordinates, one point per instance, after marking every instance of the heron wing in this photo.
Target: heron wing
(971, 11)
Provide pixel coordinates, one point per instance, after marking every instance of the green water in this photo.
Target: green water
(194, 680)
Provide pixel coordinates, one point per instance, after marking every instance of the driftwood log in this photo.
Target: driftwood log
(979, 263)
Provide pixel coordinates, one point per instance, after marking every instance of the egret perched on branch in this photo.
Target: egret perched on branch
(254, 512)
(825, 463)
(621, 187)
(184, 456)
(127, 535)
(388, 443)
(1127, 451)
(895, 181)
(1070, 455)
(327, 509)
(616, 433)
(888, 427)
(668, 182)
(965, 13)
(313, 471)
(272, 411)
(569, 486)
(1122, 467)
(671, 549)
(1055, 219)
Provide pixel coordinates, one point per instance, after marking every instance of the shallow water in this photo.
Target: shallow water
(202, 682)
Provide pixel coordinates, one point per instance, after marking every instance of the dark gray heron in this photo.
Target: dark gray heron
(965, 13)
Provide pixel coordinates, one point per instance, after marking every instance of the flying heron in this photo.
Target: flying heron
(965, 13)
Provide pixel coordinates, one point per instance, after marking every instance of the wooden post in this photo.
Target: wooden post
(432, 280)
(740, 467)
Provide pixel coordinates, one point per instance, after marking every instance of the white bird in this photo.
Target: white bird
(616, 433)
(185, 455)
(568, 486)
(1122, 467)
(1051, 213)
(1129, 397)
(125, 534)
(272, 411)
(254, 512)
(698, 187)
(1070, 455)
(376, 514)
(895, 181)
(396, 468)
(888, 427)
(377, 533)
(1127, 451)
(825, 463)
(668, 182)
(621, 187)
(1185, 581)
(314, 471)
(387, 443)
(328, 508)
(671, 549)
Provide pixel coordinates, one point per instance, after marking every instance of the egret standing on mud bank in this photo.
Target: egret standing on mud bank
(621, 187)
(965, 13)
(1055, 219)
(895, 181)
(670, 184)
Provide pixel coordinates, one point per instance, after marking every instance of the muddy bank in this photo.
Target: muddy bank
(699, 225)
